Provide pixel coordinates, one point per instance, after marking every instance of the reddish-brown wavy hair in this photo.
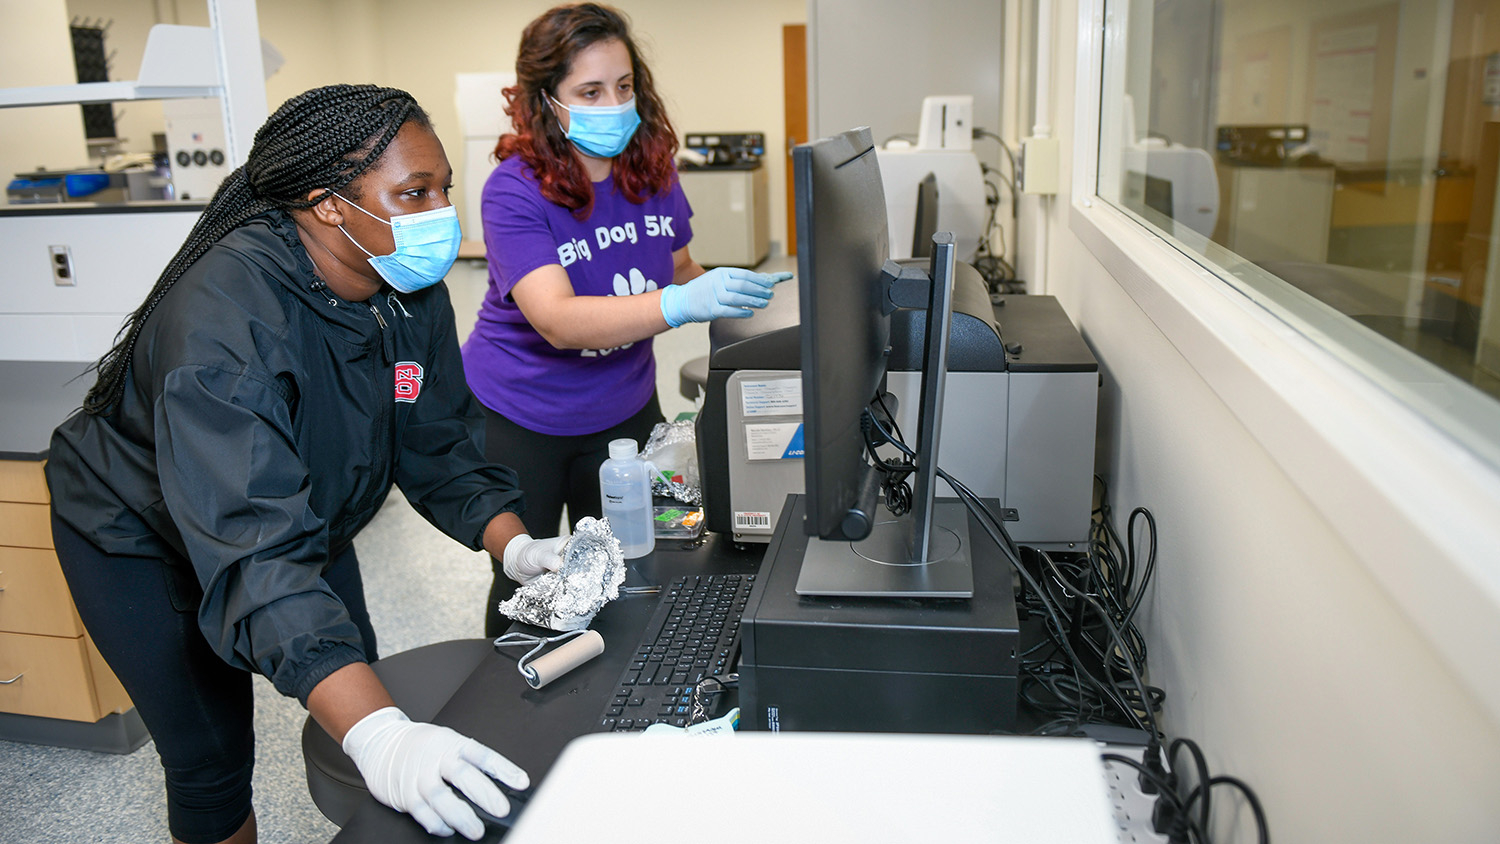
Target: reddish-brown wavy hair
(548, 47)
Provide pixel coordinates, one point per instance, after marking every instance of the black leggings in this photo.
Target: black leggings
(554, 471)
(142, 614)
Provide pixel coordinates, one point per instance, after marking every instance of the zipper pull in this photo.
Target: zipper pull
(387, 342)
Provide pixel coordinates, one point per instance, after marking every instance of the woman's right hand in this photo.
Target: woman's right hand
(409, 766)
(720, 292)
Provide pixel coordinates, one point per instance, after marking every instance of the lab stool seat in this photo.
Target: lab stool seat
(692, 378)
(420, 681)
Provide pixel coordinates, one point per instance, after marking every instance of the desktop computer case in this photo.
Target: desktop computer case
(1022, 434)
(877, 664)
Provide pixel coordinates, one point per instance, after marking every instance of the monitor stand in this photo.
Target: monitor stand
(881, 565)
(926, 552)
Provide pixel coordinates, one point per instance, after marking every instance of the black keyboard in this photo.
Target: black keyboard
(694, 634)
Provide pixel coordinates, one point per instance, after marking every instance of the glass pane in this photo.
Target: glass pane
(1334, 161)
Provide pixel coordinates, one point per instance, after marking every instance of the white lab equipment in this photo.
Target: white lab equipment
(960, 183)
(481, 117)
(1176, 180)
(947, 123)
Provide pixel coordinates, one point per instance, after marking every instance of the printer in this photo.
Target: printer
(1018, 420)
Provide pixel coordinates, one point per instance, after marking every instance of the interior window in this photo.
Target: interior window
(1337, 162)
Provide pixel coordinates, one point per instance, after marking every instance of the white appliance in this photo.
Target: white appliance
(961, 207)
(947, 123)
(481, 117)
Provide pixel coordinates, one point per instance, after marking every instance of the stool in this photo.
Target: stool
(692, 378)
(420, 681)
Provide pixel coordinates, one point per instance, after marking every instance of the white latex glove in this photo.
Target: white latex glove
(720, 292)
(525, 558)
(408, 765)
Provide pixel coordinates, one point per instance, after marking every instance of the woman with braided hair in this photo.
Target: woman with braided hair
(586, 231)
(296, 358)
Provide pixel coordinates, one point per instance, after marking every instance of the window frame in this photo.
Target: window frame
(1415, 506)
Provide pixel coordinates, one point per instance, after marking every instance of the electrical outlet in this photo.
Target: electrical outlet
(1132, 807)
(62, 266)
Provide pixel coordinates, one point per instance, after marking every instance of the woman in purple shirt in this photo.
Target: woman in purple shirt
(586, 231)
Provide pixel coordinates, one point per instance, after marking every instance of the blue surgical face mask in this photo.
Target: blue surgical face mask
(426, 247)
(601, 131)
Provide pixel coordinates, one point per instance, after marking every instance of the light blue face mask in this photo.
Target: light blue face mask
(426, 247)
(601, 131)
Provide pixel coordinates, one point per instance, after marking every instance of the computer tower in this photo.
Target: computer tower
(946, 665)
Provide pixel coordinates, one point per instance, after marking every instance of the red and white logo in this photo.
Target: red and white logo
(408, 380)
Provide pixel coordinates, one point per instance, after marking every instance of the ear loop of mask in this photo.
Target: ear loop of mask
(366, 213)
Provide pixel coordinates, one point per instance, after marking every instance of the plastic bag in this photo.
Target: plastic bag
(672, 451)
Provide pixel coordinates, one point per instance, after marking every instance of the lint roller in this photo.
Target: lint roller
(538, 672)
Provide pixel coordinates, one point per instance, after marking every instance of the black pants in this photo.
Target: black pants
(553, 471)
(142, 614)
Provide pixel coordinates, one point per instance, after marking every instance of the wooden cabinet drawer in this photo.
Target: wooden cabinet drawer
(22, 480)
(54, 677)
(25, 525)
(34, 596)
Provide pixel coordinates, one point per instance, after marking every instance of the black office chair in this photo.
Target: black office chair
(420, 681)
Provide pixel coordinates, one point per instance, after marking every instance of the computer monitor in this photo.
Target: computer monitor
(845, 285)
(842, 244)
(927, 217)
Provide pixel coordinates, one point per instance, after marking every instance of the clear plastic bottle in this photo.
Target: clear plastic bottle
(625, 495)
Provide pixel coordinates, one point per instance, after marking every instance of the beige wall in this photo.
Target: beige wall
(717, 63)
(35, 49)
(1279, 651)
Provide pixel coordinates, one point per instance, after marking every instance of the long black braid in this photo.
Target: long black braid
(324, 138)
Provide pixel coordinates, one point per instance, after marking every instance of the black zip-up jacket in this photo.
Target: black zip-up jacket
(262, 426)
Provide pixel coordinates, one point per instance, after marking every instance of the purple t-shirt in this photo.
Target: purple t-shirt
(621, 249)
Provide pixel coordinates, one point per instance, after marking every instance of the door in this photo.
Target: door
(794, 74)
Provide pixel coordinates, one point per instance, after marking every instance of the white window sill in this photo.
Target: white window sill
(1418, 509)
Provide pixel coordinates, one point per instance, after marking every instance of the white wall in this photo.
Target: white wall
(1279, 649)
(870, 63)
(35, 49)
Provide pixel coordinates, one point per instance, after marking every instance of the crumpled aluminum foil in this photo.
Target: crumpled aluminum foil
(673, 449)
(568, 599)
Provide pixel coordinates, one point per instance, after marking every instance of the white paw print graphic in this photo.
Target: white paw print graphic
(637, 283)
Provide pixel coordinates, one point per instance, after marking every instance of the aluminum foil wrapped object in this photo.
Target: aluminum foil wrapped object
(568, 599)
(672, 448)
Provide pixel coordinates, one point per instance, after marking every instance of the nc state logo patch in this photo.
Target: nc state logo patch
(408, 380)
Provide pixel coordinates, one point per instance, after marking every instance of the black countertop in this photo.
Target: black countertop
(39, 395)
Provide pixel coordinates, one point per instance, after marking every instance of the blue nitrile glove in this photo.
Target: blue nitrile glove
(720, 292)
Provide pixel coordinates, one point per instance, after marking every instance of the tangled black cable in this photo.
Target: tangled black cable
(893, 485)
(1084, 678)
(1103, 595)
(1107, 687)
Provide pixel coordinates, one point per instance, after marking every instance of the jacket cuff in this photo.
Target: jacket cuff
(310, 675)
(517, 506)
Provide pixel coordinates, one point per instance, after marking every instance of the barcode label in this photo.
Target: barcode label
(752, 520)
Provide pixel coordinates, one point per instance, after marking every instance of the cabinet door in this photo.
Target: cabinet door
(22, 480)
(34, 597)
(47, 676)
(25, 525)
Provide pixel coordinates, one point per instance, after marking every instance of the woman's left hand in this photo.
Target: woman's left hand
(526, 558)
